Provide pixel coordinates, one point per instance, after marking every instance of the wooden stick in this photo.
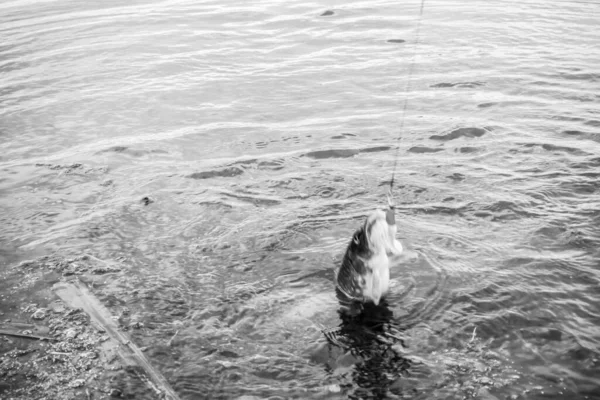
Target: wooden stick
(22, 335)
(77, 295)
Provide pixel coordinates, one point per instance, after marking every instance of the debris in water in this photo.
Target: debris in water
(78, 296)
(24, 334)
(79, 352)
(473, 337)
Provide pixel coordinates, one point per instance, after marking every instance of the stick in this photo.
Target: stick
(473, 337)
(22, 335)
(77, 295)
(170, 343)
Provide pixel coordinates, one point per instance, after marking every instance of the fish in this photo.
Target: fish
(364, 273)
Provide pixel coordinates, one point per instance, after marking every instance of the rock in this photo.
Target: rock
(235, 376)
(77, 383)
(74, 268)
(40, 313)
(226, 364)
(90, 354)
(485, 381)
(30, 308)
(484, 394)
(57, 307)
(104, 270)
(258, 359)
(334, 388)
(116, 393)
(71, 333)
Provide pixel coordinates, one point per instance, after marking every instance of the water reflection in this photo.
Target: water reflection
(368, 343)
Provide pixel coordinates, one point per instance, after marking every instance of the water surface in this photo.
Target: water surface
(263, 133)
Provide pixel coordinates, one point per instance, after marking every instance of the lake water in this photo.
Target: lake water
(262, 133)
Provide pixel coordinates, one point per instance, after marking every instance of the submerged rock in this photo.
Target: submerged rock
(71, 333)
(40, 313)
(77, 383)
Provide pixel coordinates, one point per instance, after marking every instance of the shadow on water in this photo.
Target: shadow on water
(368, 344)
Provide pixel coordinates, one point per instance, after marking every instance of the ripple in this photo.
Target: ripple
(322, 154)
(469, 149)
(581, 76)
(424, 149)
(593, 122)
(216, 114)
(344, 153)
(557, 148)
(224, 173)
(461, 132)
(458, 84)
(344, 136)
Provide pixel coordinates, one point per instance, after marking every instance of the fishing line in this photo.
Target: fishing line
(406, 90)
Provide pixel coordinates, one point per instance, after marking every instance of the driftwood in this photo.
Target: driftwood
(77, 295)
(24, 335)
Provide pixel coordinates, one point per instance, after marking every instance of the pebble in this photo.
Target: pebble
(57, 308)
(77, 383)
(104, 270)
(71, 333)
(40, 313)
(90, 354)
(484, 394)
(485, 381)
(235, 376)
(334, 388)
(226, 364)
(30, 307)
(258, 359)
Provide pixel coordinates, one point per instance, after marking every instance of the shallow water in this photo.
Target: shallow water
(262, 134)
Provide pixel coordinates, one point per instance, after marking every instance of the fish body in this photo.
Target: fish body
(364, 274)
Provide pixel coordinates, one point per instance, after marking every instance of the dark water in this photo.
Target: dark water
(262, 133)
